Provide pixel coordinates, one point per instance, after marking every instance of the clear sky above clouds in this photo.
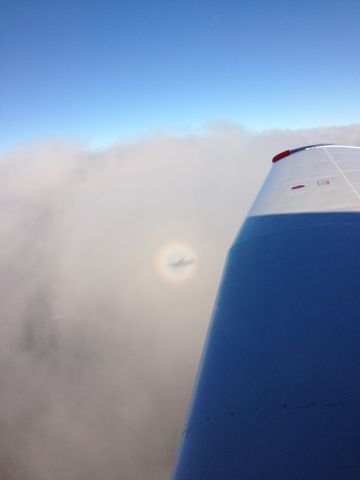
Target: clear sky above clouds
(100, 70)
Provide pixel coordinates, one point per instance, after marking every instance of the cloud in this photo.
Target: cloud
(97, 353)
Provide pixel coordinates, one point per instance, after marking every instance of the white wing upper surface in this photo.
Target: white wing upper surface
(315, 179)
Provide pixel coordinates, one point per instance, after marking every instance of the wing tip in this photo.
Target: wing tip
(286, 153)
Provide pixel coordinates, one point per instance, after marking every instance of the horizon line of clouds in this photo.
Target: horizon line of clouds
(206, 128)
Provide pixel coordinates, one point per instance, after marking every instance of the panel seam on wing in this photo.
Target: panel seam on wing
(342, 173)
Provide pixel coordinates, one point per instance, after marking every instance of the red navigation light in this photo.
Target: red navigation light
(281, 155)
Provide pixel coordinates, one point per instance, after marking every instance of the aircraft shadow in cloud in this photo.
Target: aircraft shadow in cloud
(181, 262)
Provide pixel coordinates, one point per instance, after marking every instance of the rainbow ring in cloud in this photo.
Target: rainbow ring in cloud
(176, 262)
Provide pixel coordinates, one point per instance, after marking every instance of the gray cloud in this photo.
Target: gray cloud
(97, 353)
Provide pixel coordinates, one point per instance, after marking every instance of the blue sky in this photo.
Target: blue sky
(101, 70)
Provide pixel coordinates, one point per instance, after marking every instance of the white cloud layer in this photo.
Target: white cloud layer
(97, 353)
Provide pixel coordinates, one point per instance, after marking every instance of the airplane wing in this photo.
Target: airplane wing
(278, 389)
